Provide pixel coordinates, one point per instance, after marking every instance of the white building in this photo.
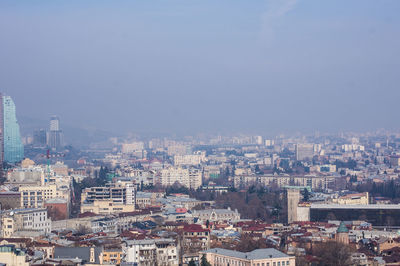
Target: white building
(214, 215)
(190, 178)
(152, 252)
(30, 219)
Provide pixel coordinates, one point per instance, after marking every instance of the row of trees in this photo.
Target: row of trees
(390, 189)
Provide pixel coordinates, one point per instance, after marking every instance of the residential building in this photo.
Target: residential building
(214, 215)
(188, 177)
(115, 197)
(112, 256)
(195, 239)
(150, 252)
(31, 219)
(259, 257)
(35, 196)
(10, 255)
(304, 151)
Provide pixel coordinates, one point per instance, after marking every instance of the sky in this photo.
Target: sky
(190, 66)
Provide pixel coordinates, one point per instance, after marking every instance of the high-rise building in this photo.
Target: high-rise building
(304, 151)
(55, 137)
(12, 149)
(40, 137)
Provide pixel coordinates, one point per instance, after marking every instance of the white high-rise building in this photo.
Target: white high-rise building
(190, 178)
(54, 123)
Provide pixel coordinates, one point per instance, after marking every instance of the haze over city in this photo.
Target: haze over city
(200, 133)
(203, 66)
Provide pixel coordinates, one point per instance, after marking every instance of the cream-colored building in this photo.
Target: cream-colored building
(113, 198)
(190, 178)
(190, 159)
(35, 196)
(9, 255)
(214, 215)
(353, 199)
(105, 207)
(258, 257)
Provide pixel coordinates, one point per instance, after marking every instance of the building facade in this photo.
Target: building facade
(259, 257)
(12, 147)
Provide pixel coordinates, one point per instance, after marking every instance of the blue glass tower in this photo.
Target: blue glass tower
(13, 148)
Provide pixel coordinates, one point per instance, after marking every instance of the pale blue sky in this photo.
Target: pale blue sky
(188, 66)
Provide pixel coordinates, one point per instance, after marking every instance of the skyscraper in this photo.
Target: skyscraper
(55, 140)
(12, 149)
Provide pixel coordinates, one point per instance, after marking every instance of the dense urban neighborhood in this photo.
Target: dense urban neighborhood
(243, 200)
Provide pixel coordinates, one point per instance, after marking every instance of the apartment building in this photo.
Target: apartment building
(25, 220)
(35, 196)
(188, 177)
(150, 252)
(113, 198)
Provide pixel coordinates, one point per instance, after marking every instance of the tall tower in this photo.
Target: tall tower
(293, 199)
(55, 140)
(12, 149)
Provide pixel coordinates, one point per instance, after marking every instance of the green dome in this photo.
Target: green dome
(342, 228)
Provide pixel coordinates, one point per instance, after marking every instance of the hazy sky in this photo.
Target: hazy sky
(204, 65)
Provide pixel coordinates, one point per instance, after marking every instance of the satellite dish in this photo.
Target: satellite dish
(12, 213)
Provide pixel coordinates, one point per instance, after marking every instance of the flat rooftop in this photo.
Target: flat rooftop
(365, 207)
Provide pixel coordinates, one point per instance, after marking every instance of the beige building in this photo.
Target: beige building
(214, 215)
(35, 196)
(258, 257)
(353, 199)
(105, 207)
(113, 198)
(9, 255)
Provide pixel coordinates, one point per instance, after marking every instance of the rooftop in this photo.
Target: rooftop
(265, 253)
(370, 206)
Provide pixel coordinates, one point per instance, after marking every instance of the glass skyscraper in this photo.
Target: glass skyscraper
(12, 145)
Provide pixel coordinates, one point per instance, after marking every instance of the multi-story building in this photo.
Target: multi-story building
(259, 257)
(55, 136)
(195, 239)
(353, 199)
(25, 220)
(35, 196)
(40, 137)
(152, 252)
(10, 255)
(115, 197)
(214, 215)
(12, 149)
(26, 176)
(112, 256)
(304, 151)
(188, 177)
(190, 159)
(316, 182)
